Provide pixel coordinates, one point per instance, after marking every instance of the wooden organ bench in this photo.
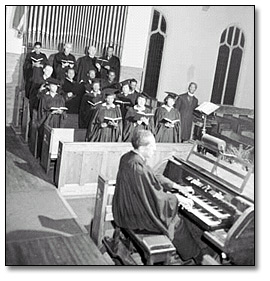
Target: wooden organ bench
(155, 248)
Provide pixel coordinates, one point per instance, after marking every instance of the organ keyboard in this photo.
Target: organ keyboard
(222, 208)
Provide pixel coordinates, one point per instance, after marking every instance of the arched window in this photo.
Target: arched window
(154, 54)
(230, 54)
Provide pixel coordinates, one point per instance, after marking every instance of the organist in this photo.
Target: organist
(141, 202)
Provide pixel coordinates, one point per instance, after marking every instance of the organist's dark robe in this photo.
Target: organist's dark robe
(87, 109)
(140, 203)
(96, 133)
(131, 124)
(186, 106)
(163, 133)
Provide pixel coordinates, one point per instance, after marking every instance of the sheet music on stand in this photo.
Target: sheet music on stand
(207, 107)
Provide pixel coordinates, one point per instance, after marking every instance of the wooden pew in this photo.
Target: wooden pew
(51, 139)
(25, 119)
(79, 164)
(18, 111)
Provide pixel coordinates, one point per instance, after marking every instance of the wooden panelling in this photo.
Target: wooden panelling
(80, 163)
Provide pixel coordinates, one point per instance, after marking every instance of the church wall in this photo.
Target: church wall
(191, 50)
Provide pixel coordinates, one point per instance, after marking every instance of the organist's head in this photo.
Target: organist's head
(143, 141)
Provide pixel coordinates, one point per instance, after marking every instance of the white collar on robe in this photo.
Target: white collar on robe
(167, 107)
(111, 106)
(137, 152)
(191, 95)
(69, 80)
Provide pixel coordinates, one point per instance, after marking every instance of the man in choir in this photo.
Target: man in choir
(133, 86)
(72, 92)
(167, 121)
(84, 64)
(33, 67)
(110, 81)
(138, 117)
(186, 103)
(106, 125)
(141, 203)
(113, 63)
(62, 61)
(37, 88)
(124, 98)
(91, 101)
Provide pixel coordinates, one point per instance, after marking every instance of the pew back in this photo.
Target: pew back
(79, 164)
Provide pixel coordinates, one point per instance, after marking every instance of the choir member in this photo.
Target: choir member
(186, 103)
(167, 121)
(124, 98)
(133, 86)
(72, 91)
(88, 82)
(113, 63)
(33, 66)
(110, 81)
(91, 100)
(51, 110)
(37, 89)
(106, 125)
(62, 61)
(140, 200)
(138, 117)
(84, 64)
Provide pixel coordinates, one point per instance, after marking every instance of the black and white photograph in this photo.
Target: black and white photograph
(130, 136)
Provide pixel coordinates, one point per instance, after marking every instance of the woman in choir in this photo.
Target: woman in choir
(125, 99)
(138, 117)
(91, 100)
(51, 109)
(106, 125)
(167, 121)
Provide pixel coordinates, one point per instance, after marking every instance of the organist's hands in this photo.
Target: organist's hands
(185, 202)
(186, 190)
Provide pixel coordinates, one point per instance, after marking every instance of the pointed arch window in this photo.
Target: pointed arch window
(229, 60)
(154, 54)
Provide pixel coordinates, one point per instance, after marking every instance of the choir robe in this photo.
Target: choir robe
(96, 133)
(114, 64)
(131, 98)
(163, 133)
(186, 105)
(84, 64)
(44, 115)
(105, 83)
(31, 73)
(86, 109)
(140, 203)
(59, 59)
(73, 103)
(131, 124)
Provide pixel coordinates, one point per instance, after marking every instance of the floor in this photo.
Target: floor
(41, 227)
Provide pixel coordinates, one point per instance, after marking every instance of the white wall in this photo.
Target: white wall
(13, 43)
(191, 49)
(138, 21)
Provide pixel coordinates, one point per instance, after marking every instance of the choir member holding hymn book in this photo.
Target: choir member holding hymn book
(167, 121)
(106, 125)
(138, 117)
(91, 100)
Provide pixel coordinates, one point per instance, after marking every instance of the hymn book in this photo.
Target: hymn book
(114, 120)
(59, 108)
(123, 102)
(102, 62)
(94, 104)
(171, 121)
(36, 60)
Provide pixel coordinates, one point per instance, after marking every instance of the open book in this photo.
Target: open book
(56, 108)
(207, 107)
(123, 102)
(70, 62)
(171, 121)
(36, 60)
(94, 104)
(116, 119)
(102, 61)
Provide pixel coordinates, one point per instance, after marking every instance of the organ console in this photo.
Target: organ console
(223, 198)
